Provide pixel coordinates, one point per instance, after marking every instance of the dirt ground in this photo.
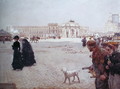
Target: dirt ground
(51, 57)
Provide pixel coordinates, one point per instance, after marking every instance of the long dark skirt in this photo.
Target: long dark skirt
(17, 60)
(101, 84)
(28, 58)
(84, 44)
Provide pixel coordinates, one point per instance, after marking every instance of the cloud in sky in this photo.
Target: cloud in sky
(92, 13)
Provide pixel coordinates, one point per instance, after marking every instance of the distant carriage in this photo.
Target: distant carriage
(116, 36)
(34, 39)
(115, 40)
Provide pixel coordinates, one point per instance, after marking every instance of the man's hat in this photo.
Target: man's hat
(91, 43)
(111, 46)
(116, 44)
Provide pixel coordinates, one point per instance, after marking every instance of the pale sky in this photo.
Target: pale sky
(92, 13)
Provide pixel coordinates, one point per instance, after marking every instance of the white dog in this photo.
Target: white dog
(69, 74)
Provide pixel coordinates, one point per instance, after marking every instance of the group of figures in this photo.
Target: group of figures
(34, 39)
(22, 57)
(105, 61)
(106, 64)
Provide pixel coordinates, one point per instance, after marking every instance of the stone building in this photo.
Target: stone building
(52, 30)
(72, 29)
(112, 24)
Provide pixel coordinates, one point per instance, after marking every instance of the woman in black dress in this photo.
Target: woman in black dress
(17, 59)
(27, 53)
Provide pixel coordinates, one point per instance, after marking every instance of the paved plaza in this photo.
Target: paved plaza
(51, 56)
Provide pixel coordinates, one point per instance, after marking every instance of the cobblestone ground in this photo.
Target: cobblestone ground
(51, 57)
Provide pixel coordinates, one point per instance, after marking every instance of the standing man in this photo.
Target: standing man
(113, 66)
(84, 42)
(101, 81)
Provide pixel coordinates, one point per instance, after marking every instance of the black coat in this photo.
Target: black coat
(17, 59)
(115, 63)
(28, 54)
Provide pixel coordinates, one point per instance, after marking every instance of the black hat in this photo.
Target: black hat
(16, 37)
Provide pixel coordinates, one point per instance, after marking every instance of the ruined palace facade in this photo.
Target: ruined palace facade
(70, 29)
